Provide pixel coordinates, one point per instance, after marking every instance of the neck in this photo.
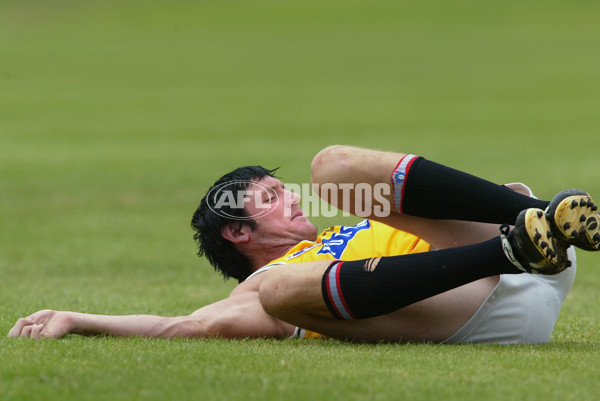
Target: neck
(262, 256)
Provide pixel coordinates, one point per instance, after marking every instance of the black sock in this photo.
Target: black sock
(434, 191)
(355, 290)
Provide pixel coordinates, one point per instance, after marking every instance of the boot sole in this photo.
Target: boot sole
(545, 254)
(575, 219)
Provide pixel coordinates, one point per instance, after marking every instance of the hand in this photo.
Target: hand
(43, 324)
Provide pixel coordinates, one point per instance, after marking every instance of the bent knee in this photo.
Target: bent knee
(286, 292)
(329, 163)
(272, 292)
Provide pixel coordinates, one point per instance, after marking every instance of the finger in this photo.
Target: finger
(26, 331)
(36, 331)
(39, 316)
(50, 330)
(18, 327)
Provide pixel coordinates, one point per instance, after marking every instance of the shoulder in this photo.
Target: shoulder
(264, 268)
(253, 281)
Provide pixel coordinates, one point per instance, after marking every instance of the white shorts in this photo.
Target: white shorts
(522, 309)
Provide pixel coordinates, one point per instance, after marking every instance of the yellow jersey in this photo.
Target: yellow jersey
(367, 239)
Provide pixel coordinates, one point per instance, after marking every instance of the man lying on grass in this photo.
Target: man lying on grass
(442, 265)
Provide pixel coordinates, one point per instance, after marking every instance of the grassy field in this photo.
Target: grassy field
(116, 117)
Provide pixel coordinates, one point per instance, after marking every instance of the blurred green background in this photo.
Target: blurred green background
(116, 117)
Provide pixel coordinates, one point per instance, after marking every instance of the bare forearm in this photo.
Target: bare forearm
(55, 324)
(240, 316)
(120, 326)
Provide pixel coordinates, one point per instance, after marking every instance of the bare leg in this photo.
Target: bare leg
(294, 294)
(350, 165)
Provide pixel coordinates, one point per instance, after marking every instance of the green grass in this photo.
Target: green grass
(116, 116)
(125, 369)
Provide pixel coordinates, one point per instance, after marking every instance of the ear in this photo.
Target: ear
(236, 233)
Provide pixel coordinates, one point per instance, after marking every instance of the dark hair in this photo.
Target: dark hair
(220, 252)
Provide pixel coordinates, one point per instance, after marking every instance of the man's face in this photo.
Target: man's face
(280, 219)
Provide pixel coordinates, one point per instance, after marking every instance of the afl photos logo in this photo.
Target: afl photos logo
(226, 198)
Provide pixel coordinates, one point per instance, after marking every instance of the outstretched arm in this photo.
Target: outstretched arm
(240, 315)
